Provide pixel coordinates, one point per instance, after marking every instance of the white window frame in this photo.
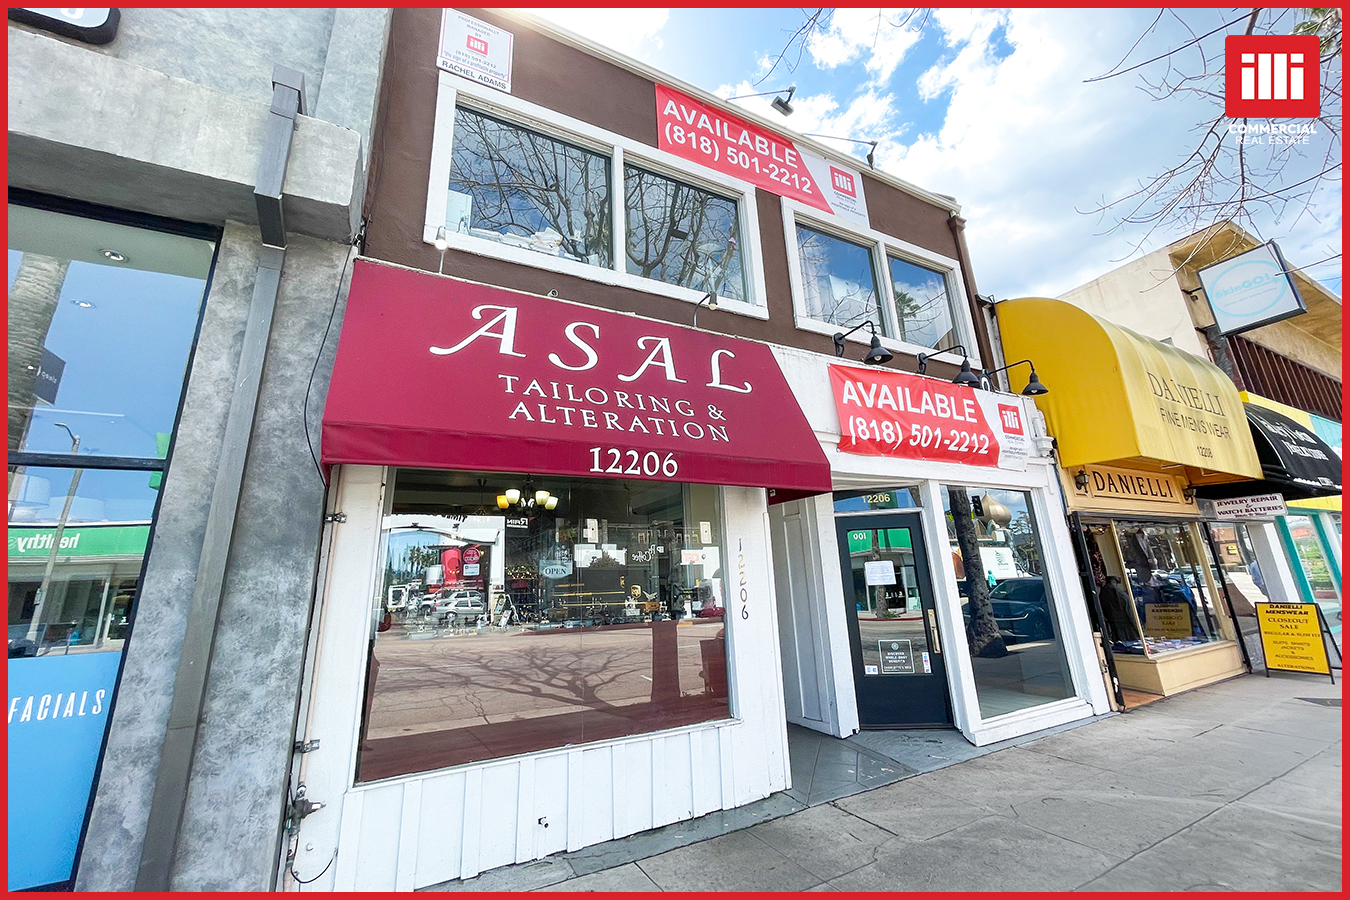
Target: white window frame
(881, 246)
(616, 148)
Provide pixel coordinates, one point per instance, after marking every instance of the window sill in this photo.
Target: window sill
(537, 260)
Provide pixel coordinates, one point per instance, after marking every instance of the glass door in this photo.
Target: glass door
(897, 653)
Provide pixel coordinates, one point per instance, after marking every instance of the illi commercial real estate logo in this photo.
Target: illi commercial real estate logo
(1272, 77)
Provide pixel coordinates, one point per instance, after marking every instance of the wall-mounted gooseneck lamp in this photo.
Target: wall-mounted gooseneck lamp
(872, 146)
(965, 376)
(442, 243)
(1034, 387)
(710, 299)
(782, 104)
(876, 354)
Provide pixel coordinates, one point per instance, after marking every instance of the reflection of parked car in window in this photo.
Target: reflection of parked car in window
(1020, 609)
(463, 603)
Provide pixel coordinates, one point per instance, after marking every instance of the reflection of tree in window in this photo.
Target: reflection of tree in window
(682, 235)
(922, 305)
(547, 195)
(837, 279)
(33, 296)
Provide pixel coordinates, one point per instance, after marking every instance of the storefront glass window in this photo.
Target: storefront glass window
(101, 321)
(78, 598)
(102, 317)
(838, 280)
(1016, 650)
(1311, 557)
(863, 501)
(1237, 559)
(500, 632)
(1162, 571)
(682, 235)
(923, 307)
(518, 187)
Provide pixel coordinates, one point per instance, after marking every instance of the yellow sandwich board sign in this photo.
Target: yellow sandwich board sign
(1291, 638)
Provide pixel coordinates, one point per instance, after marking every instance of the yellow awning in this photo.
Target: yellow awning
(1119, 397)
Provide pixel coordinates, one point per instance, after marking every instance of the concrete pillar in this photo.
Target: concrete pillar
(1280, 583)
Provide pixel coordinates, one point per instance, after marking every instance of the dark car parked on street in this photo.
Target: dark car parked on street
(1021, 610)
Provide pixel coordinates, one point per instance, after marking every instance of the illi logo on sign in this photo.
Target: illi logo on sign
(1272, 77)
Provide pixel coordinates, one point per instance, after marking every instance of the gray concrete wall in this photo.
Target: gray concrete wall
(99, 129)
(231, 834)
(168, 119)
(232, 50)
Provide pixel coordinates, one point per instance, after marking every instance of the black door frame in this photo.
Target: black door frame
(884, 684)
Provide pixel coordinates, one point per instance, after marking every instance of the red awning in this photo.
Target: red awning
(439, 373)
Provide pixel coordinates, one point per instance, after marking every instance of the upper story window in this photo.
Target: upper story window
(682, 235)
(519, 187)
(844, 276)
(923, 306)
(839, 283)
(519, 182)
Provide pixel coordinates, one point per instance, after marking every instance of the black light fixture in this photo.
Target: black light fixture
(782, 104)
(1034, 387)
(1080, 479)
(709, 298)
(876, 354)
(871, 153)
(965, 376)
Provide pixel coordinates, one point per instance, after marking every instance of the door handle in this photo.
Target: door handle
(933, 633)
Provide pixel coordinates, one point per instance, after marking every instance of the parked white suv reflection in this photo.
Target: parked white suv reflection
(461, 603)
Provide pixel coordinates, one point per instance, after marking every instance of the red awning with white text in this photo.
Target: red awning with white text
(434, 372)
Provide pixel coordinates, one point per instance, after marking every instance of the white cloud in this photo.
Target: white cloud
(632, 32)
(1026, 145)
(881, 37)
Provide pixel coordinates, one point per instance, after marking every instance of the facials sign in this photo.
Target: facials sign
(93, 26)
(497, 380)
(1272, 76)
(896, 414)
(473, 49)
(1251, 289)
(58, 709)
(695, 131)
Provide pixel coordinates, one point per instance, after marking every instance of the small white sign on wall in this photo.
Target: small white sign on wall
(473, 49)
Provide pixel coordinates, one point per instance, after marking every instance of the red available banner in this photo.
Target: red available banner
(732, 146)
(888, 413)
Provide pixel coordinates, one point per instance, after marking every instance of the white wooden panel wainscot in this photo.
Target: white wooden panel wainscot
(420, 830)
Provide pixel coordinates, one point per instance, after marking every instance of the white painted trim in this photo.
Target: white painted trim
(618, 148)
(1032, 719)
(843, 691)
(951, 624)
(880, 246)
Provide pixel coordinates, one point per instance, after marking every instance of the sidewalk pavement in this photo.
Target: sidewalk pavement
(1235, 786)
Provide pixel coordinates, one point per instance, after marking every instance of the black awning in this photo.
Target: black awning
(1294, 461)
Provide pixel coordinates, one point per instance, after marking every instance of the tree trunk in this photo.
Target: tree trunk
(32, 304)
(985, 639)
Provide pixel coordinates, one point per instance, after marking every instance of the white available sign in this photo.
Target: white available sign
(473, 49)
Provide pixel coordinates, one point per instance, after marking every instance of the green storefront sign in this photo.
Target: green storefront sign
(78, 541)
(889, 539)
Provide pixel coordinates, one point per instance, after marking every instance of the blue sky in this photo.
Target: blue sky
(991, 107)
